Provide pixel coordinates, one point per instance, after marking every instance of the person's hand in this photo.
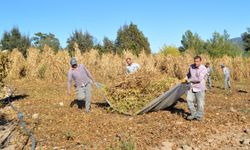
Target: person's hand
(98, 85)
(92, 82)
(184, 80)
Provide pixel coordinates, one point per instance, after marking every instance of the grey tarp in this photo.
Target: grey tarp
(164, 101)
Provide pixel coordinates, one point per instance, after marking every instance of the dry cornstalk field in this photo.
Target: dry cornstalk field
(40, 82)
(45, 65)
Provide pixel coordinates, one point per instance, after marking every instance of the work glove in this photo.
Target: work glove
(184, 80)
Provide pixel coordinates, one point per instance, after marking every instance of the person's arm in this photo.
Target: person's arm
(127, 70)
(188, 76)
(69, 81)
(186, 79)
(88, 73)
(211, 70)
(208, 71)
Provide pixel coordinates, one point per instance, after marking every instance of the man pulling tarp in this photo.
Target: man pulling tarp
(194, 85)
(197, 75)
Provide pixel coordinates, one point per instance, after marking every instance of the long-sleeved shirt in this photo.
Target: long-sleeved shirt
(133, 67)
(197, 75)
(209, 71)
(80, 75)
(226, 72)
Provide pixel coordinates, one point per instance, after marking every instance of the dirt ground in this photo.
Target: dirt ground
(56, 125)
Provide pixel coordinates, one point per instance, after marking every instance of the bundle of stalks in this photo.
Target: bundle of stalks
(17, 65)
(33, 59)
(4, 67)
(52, 67)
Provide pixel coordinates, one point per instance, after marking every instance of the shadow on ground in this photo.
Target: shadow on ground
(179, 111)
(3, 120)
(80, 103)
(102, 104)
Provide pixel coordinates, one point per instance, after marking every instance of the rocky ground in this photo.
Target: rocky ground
(56, 125)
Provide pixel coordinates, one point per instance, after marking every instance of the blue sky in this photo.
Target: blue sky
(162, 21)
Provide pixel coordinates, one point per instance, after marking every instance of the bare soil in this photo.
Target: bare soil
(57, 125)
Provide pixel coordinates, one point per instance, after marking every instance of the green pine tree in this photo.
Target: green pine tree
(14, 39)
(129, 37)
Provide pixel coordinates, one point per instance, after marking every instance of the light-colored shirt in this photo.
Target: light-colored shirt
(209, 71)
(133, 67)
(80, 75)
(226, 72)
(197, 75)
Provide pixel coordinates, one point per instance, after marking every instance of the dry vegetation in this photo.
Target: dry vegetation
(42, 77)
(44, 64)
(130, 93)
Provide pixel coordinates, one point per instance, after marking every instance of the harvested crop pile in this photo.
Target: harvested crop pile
(131, 93)
(18, 62)
(4, 66)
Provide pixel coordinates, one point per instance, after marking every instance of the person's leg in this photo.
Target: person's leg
(229, 86)
(226, 83)
(73, 103)
(88, 97)
(80, 96)
(80, 104)
(200, 98)
(229, 83)
(190, 102)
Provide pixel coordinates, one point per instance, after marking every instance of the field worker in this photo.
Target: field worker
(131, 67)
(83, 79)
(226, 73)
(197, 77)
(209, 71)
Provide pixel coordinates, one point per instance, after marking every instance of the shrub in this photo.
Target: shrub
(170, 50)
